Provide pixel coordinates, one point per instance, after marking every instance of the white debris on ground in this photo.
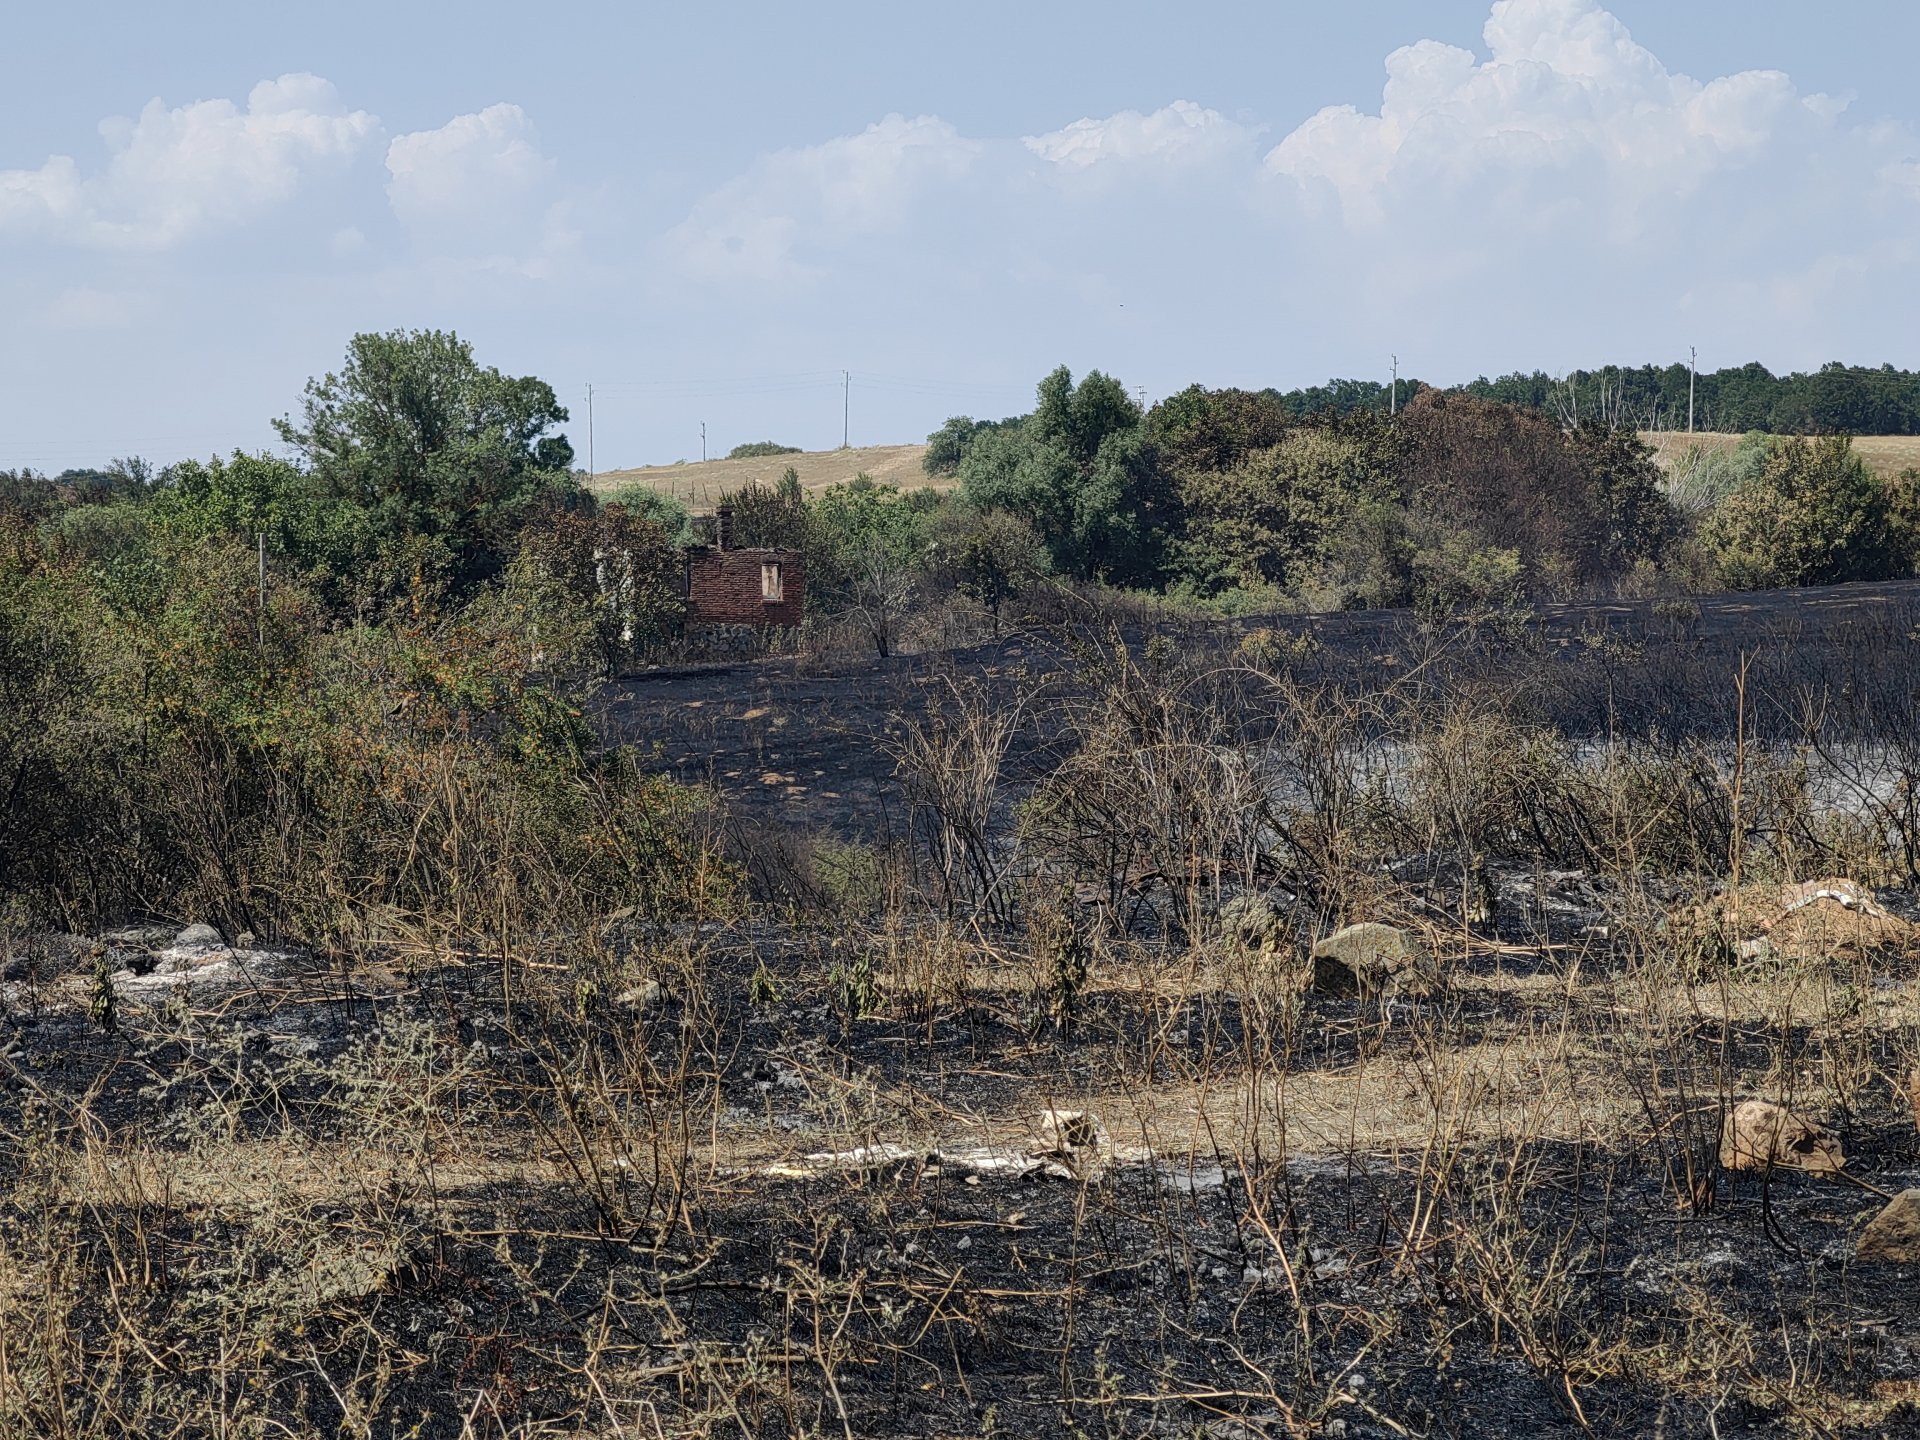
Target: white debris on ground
(196, 956)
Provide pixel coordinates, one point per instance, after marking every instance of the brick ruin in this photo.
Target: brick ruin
(754, 587)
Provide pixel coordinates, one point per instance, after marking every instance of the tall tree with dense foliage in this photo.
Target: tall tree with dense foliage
(446, 456)
(1199, 430)
(1082, 473)
(1270, 519)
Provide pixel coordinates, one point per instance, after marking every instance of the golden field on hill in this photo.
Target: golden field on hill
(702, 485)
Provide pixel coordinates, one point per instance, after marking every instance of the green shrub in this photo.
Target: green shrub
(756, 449)
(179, 748)
(1271, 519)
(671, 515)
(1455, 577)
(1814, 515)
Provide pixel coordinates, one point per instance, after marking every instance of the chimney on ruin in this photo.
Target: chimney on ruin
(723, 528)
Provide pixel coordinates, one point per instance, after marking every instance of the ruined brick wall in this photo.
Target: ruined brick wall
(727, 587)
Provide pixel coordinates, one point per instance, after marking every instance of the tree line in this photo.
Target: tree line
(1836, 399)
(414, 475)
(1241, 498)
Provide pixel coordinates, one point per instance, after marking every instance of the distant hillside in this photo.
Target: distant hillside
(704, 484)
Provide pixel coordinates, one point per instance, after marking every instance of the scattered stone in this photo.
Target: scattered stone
(1373, 959)
(1759, 1135)
(199, 937)
(638, 999)
(1818, 919)
(1847, 894)
(1073, 1138)
(1253, 921)
(1893, 1236)
(1913, 1093)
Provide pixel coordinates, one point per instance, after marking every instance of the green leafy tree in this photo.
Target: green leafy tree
(1630, 496)
(990, 556)
(321, 534)
(1271, 519)
(435, 447)
(1081, 473)
(948, 446)
(1200, 430)
(669, 514)
(772, 517)
(869, 552)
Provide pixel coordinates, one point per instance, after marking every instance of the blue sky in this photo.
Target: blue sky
(711, 211)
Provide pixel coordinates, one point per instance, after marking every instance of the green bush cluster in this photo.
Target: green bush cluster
(1457, 503)
(383, 727)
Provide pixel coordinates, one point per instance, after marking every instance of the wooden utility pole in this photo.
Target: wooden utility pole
(589, 431)
(846, 408)
(1693, 366)
(261, 612)
(1393, 396)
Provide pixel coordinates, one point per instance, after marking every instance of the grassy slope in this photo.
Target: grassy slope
(702, 486)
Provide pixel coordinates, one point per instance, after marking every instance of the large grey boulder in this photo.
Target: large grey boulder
(1373, 959)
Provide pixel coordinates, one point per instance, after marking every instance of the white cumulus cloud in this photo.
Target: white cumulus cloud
(798, 202)
(1566, 105)
(177, 172)
(477, 172)
(1180, 133)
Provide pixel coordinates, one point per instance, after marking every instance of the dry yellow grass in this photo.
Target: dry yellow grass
(703, 485)
(1886, 455)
